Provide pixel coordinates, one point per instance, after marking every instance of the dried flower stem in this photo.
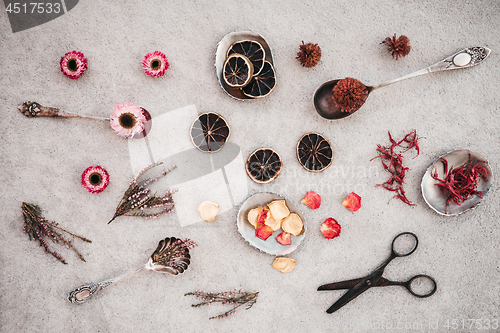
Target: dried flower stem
(33, 109)
(236, 297)
(37, 228)
(137, 198)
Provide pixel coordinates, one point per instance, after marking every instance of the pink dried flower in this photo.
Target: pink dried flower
(73, 64)
(155, 64)
(312, 200)
(352, 202)
(127, 119)
(330, 228)
(95, 179)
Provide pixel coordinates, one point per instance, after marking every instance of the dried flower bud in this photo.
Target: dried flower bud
(284, 265)
(349, 94)
(398, 47)
(309, 54)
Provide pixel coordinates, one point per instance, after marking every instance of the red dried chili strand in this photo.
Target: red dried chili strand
(392, 162)
(460, 184)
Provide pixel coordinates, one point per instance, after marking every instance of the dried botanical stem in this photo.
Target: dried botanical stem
(236, 297)
(33, 109)
(38, 228)
(139, 201)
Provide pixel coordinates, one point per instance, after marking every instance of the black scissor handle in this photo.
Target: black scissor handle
(409, 249)
(424, 278)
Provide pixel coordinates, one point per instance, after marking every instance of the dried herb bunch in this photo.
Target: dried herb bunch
(38, 228)
(349, 94)
(460, 184)
(399, 47)
(392, 162)
(309, 54)
(139, 201)
(236, 298)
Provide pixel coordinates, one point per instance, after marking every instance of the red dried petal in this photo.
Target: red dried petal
(330, 228)
(312, 200)
(284, 238)
(264, 231)
(352, 202)
(262, 216)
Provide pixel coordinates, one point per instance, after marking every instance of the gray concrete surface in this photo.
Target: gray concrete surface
(42, 160)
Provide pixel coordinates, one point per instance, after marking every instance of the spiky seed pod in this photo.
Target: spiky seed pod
(349, 94)
(309, 54)
(399, 47)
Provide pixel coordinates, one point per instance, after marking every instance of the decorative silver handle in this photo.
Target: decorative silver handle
(462, 59)
(83, 293)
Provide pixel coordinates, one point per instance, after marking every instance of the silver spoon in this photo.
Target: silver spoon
(327, 108)
(436, 198)
(171, 257)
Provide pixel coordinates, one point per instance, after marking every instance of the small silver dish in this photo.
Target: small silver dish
(271, 245)
(434, 195)
(221, 54)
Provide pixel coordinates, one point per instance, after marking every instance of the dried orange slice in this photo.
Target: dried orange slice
(261, 84)
(238, 70)
(252, 50)
(314, 152)
(263, 165)
(209, 132)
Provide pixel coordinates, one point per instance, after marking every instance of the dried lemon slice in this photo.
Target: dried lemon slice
(210, 132)
(263, 166)
(253, 216)
(238, 70)
(208, 210)
(262, 84)
(278, 209)
(252, 50)
(284, 265)
(292, 224)
(314, 152)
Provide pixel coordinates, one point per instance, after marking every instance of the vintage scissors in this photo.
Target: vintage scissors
(403, 245)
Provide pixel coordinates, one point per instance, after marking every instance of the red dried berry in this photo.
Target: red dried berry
(312, 200)
(330, 228)
(309, 54)
(398, 47)
(349, 94)
(352, 202)
(284, 238)
(263, 232)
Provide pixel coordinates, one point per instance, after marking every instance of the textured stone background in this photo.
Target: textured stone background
(42, 160)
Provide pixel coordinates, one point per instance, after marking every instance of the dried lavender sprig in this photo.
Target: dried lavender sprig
(236, 297)
(138, 198)
(38, 228)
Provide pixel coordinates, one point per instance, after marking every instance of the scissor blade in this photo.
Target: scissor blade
(340, 285)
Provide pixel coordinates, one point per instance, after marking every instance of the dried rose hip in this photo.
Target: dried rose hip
(263, 232)
(352, 202)
(330, 228)
(284, 238)
(312, 200)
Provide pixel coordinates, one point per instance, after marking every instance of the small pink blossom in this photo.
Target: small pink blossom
(155, 64)
(73, 64)
(95, 179)
(127, 119)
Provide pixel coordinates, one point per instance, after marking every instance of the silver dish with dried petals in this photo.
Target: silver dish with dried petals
(434, 195)
(271, 245)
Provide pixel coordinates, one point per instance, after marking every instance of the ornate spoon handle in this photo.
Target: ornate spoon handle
(83, 293)
(33, 109)
(462, 59)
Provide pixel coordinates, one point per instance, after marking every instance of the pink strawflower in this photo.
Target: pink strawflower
(155, 64)
(73, 64)
(127, 119)
(95, 179)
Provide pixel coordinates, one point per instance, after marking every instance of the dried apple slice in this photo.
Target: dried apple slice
(208, 210)
(284, 238)
(293, 224)
(272, 222)
(278, 209)
(284, 265)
